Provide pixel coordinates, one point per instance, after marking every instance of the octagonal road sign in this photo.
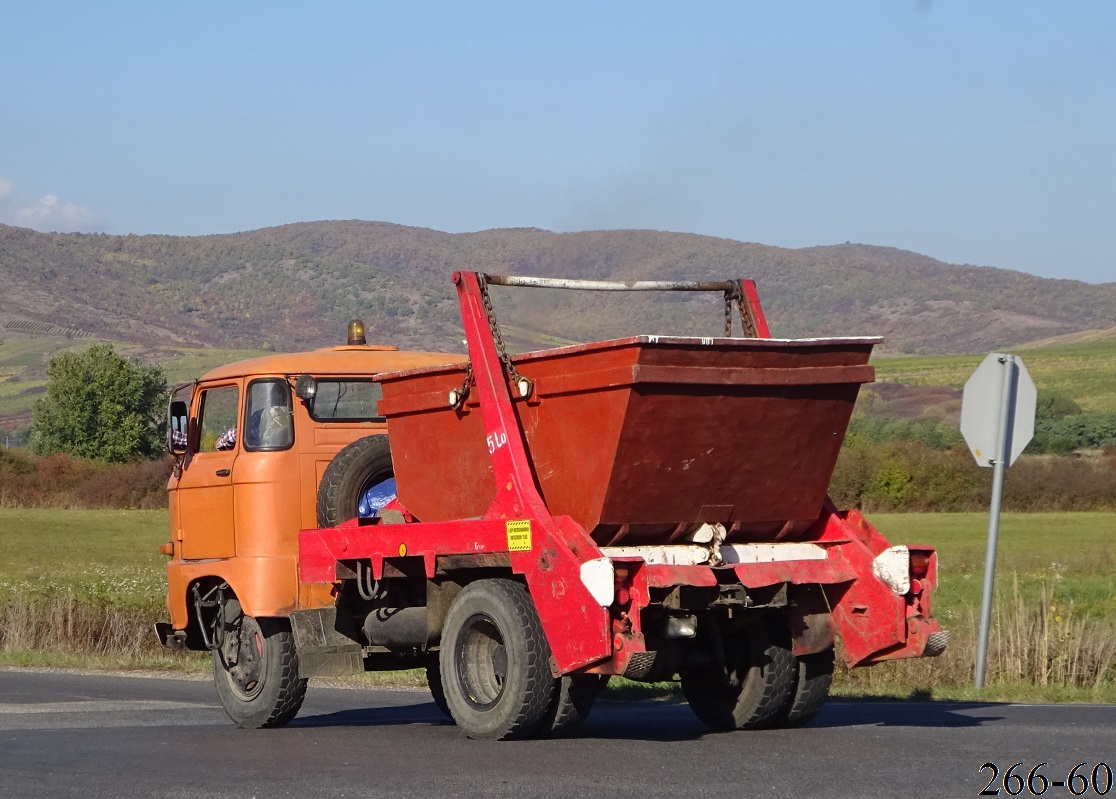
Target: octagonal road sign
(1000, 385)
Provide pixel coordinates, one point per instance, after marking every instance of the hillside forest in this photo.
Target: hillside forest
(188, 304)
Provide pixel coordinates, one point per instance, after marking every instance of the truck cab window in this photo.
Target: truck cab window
(269, 421)
(347, 401)
(217, 425)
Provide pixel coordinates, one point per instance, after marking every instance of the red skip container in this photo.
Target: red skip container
(640, 440)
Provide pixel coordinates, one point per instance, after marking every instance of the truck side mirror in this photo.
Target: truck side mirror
(177, 427)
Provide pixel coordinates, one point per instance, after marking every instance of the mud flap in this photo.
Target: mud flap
(323, 649)
(170, 637)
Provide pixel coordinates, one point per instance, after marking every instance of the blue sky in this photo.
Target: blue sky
(975, 132)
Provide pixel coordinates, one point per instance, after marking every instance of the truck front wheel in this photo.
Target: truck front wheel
(255, 669)
(495, 662)
(752, 686)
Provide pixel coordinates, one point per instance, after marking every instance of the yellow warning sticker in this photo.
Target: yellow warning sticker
(519, 535)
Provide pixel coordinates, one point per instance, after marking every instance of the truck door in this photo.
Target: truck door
(205, 489)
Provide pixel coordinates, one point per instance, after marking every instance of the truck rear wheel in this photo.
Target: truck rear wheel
(572, 702)
(255, 669)
(753, 685)
(813, 679)
(495, 662)
(355, 469)
(437, 692)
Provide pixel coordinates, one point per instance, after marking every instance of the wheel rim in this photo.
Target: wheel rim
(482, 662)
(378, 481)
(244, 657)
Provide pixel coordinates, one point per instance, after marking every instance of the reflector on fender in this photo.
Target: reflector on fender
(893, 568)
(597, 576)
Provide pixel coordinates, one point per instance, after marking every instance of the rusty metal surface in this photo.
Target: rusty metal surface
(608, 285)
(634, 437)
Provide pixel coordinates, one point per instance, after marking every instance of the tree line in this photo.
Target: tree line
(1061, 427)
(102, 419)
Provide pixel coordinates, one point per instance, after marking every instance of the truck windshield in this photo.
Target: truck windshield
(346, 401)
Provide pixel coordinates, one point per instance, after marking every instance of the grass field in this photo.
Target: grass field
(1081, 366)
(1054, 617)
(84, 587)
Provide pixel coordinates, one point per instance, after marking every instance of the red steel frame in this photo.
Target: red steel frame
(874, 622)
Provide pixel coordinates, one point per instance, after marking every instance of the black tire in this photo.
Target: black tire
(256, 670)
(753, 686)
(811, 690)
(495, 662)
(352, 471)
(434, 680)
(571, 703)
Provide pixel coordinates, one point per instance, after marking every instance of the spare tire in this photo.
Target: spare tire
(355, 469)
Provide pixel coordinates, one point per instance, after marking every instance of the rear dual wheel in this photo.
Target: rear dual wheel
(495, 665)
(811, 689)
(437, 692)
(754, 684)
(573, 698)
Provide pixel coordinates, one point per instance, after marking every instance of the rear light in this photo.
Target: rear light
(920, 564)
(623, 580)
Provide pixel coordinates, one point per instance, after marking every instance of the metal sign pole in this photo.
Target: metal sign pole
(1003, 455)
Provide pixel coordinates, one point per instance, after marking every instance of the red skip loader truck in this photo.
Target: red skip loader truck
(652, 507)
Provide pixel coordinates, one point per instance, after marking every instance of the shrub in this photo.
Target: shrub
(909, 476)
(62, 481)
(100, 405)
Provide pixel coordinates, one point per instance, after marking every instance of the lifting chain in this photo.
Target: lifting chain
(747, 323)
(523, 385)
(457, 396)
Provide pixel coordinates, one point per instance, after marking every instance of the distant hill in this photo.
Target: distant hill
(1080, 366)
(294, 286)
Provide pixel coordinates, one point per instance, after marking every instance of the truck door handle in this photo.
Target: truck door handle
(224, 472)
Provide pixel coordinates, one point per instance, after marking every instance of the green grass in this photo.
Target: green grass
(68, 544)
(1054, 615)
(1082, 369)
(1071, 550)
(82, 588)
(1062, 564)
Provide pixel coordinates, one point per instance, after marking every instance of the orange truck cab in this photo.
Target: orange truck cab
(253, 442)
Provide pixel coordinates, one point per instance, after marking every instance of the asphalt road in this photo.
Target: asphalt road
(65, 734)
